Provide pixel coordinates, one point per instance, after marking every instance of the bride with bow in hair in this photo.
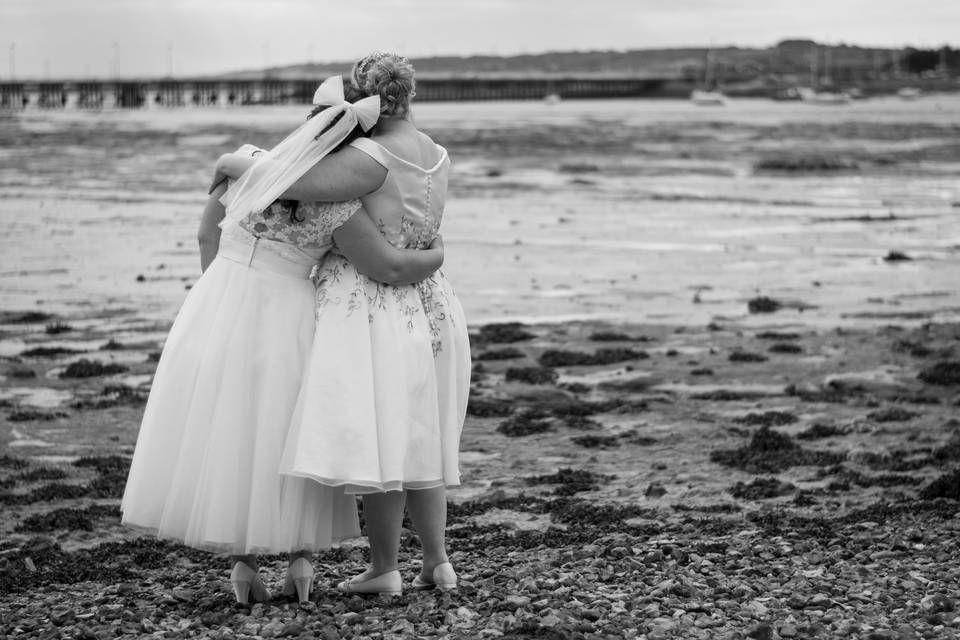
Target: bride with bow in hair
(205, 471)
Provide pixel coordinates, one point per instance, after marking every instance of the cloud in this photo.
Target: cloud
(217, 35)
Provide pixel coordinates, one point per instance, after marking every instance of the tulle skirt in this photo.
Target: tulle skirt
(384, 394)
(205, 468)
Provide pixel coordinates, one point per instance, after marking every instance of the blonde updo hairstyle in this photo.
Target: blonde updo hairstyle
(389, 76)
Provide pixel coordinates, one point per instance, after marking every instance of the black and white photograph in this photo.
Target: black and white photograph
(479, 319)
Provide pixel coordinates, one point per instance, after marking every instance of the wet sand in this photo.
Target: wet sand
(727, 413)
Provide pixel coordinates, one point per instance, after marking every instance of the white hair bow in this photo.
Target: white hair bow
(367, 110)
(275, 171)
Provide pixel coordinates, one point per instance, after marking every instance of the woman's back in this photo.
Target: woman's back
(408, 206)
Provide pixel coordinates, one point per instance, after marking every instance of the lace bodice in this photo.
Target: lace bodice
(311, 231)
(314, 229)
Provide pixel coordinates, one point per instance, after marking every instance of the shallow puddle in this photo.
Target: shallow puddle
(743, 388)
(36, 396)
(21, 439)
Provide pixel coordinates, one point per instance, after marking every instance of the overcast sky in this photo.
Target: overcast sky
(101, 38)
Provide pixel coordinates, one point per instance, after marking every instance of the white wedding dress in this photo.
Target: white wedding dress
(205, 468)
(385, 389)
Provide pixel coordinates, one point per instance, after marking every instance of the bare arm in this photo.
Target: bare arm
(344, 175)
(360, 242)
(233, 165)
(208, 235)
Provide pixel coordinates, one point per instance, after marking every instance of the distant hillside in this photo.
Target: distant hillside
(787, 57)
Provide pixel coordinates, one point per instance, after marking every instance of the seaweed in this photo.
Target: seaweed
(49, 352)
(946, 373)
(12, 462)
(738, 355)
(637, 384)
(776, 335)
(104, 464)
(525, 423)
(592, 441)
(30, 415)
(763, 304)
(108, 485)
(915, 349)
(767, 418)
(41, 473)
(57, 327)
(45, 493)
(507, 353)
(112, 395)
(847, 476)
(504, 333)
(892, 414)
(896, 256)
(771, 452)
(819, 430)
(804, 162)
(582, 423)
(945, 486)
(72, 519)
(583, 408)
(571, 481)
(605, 517)
(614, 336)
(84, 368)
(724, 395)
(489, 407)
(25, 317)
(785, 347)
(761, 488)
(563, 358)
(531, 375)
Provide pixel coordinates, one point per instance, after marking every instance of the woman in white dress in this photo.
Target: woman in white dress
(385, 389)
(205, 468)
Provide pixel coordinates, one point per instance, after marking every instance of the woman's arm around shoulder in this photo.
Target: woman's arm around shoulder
(360, 242)
(208, 235)
(344, 175)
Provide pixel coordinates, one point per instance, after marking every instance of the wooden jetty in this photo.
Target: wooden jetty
(170, 93)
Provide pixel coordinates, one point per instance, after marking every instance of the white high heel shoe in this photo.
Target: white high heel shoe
(299, 579)
(444, 579)
(247, 585)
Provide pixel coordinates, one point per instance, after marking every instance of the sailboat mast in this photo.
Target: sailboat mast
(813, 66)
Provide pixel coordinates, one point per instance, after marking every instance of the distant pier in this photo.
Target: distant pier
(152, 94)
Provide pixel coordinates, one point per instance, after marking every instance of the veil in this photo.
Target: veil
(275, 171)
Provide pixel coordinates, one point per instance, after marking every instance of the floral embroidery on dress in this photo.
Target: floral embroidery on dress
(427, 297)
(316, 222)
(419, 307)
(435, 303)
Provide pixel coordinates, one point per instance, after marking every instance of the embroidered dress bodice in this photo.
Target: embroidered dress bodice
(312, 233)
(420, 190)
